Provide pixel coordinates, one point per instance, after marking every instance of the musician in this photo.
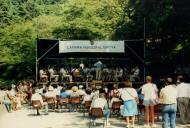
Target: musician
(99, 67)
(53, 74)
(43, 75)
(64, 73)
(135, 74)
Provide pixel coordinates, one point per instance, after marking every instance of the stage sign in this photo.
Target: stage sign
(91, 46)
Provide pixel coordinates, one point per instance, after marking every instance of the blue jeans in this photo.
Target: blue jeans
(8, 106)
(106, 113)
(169, 110)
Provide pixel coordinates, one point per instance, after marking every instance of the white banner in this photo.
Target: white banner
(91, 46)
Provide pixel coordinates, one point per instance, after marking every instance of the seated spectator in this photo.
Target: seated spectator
(81, 91)
(128, 95)
(64, 93)
(50, 93)
(115, 94)
(20, 93)
(101, 102)
(37, 96)
(75, 92)
(56, 90)
(94, 93)
(88, 96)
(15, 99)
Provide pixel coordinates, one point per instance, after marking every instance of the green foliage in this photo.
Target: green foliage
(88, 19)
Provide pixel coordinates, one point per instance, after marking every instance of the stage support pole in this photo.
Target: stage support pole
(144, 36)
(36, 59)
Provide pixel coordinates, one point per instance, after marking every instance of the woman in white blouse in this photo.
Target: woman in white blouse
(128, 95)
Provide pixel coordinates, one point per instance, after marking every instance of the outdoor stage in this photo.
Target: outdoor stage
(97, 83)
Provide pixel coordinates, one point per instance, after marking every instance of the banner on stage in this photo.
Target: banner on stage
(91, 46)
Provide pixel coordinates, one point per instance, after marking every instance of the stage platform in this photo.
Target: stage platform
(99, 83)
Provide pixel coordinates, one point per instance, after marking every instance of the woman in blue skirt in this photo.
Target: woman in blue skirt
(128, 95)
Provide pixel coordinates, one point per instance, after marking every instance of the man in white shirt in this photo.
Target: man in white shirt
(50, 93)
(168, 97)
(183, 101)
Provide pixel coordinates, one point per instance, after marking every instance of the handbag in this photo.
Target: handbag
(157, 100)
(136, 98)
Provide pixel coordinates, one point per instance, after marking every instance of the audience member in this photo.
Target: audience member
(128, 95)
(183, 101)
(64, 94)
(75, 92)
(8, 99)
(101, 102)
(115, 94)
(88, 96)
(36, 96)
(149, 90)
(168, 96)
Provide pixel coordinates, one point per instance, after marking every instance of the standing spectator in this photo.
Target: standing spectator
(7, 99)
(168, 96)
(183, 101)
(98, 66)
(149, 90)
(128, 95)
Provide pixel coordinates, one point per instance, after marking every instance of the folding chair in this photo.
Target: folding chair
(51, 101)
(36, 104)
(158, 110)
(75, 101)
(87, 105)
(96, 113)
(63, 102)
(116, 107)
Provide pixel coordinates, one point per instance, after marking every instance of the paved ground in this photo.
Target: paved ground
(25, 119)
